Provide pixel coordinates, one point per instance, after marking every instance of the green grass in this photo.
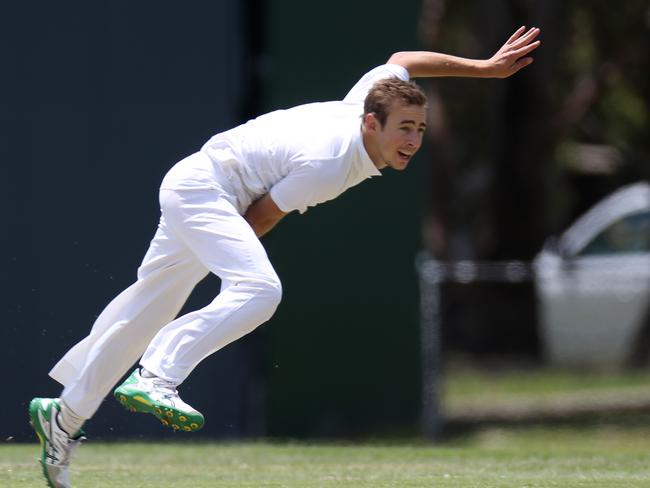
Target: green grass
(608, 450)
(603, 456)
(467, 391)
(470, 385)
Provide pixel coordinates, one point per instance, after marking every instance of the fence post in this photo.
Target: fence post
(431, 274)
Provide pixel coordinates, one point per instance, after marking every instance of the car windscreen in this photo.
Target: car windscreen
(630, 234)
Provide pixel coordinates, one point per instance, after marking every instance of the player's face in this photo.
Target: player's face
(400, 136)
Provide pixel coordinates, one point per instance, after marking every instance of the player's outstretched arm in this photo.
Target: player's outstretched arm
(509, 59)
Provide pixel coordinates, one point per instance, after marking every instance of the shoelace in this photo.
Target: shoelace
(72, 447)
(68, 451)
(167, 388)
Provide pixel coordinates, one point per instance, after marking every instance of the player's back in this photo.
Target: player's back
(284, 138)
(269, 147)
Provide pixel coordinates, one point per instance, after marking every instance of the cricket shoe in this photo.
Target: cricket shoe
(57, 446)
(159, 397)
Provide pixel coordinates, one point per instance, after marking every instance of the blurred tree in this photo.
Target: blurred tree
(602, 136)
(516, 160)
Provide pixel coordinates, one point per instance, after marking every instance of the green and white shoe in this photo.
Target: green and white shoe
(160, 398)
(57, 446)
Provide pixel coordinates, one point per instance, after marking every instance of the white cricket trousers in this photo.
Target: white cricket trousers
(200, 231)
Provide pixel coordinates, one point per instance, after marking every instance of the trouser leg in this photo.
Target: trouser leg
(226, 245)
(123, 330)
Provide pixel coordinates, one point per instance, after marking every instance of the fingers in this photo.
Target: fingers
(519, 38)
(513, 54)
(521, 63)
(526, 38)
(525, 49)
(516, 35)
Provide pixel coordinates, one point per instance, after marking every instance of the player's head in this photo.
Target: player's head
(386, 92)
(394, 122)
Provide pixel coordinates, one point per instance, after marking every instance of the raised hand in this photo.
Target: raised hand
(511, 57)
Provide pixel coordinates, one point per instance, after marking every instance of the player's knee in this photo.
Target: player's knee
(267, 296)
(272, 289)
(264, 291)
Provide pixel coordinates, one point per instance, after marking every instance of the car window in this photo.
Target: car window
(628, 235)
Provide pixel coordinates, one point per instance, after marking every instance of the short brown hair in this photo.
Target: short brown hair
(384, 92)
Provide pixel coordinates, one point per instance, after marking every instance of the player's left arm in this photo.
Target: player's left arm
(263, 214)
(509, 59)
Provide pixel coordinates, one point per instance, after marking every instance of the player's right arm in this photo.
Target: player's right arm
(509, 59)
(263, 214)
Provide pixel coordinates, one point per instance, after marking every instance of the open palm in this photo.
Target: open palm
(512, 56)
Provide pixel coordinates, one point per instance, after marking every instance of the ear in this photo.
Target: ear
(371, 122)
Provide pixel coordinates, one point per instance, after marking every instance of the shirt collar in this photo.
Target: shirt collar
(365, 165)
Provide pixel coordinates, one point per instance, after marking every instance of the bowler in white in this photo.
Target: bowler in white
(215, 205)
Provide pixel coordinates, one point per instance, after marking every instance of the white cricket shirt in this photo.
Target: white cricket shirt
(303, 156)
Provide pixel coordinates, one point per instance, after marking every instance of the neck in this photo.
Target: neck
(372, 149)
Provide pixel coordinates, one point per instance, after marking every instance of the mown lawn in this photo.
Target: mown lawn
(557, 445)
(603, 456)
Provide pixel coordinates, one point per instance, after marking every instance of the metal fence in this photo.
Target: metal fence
(432, 274)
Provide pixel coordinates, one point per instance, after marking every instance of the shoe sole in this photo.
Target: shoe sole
(171, 417)
(34, 406)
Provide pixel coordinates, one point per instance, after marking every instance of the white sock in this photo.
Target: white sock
(146, 374)
(68, 420)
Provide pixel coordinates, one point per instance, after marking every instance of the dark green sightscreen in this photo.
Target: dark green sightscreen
(343, 346)
(100, 99)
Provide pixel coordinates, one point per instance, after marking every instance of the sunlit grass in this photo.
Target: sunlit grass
(606, 451)
(465, 388)
(533, 457)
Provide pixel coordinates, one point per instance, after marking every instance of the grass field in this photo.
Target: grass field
(605, 450)
(603, 456)
(544, 394)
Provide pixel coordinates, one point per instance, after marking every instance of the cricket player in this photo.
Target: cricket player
(215, 205)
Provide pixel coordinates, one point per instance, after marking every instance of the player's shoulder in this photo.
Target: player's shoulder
(359, 91)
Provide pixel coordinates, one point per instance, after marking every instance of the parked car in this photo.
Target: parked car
(593, 284)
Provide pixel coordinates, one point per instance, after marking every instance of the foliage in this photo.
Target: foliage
(588, 88)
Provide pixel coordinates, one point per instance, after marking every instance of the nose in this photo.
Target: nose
(414, 140)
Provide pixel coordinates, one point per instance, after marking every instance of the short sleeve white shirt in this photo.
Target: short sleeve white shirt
(302, 156)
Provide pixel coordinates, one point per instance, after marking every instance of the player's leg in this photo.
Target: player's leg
(57, 445)
(225, 244)
(120, 334)
(123, 330)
